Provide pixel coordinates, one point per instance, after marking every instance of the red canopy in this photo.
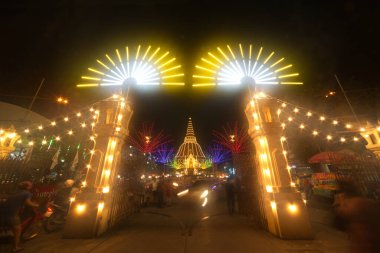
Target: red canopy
(332, 157)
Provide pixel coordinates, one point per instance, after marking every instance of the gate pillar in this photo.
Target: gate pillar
(91, 212)
(283, 208)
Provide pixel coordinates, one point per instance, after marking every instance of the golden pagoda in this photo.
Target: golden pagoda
(190, 156)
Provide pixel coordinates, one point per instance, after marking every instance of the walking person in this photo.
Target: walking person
(12, 206)
(230, 195)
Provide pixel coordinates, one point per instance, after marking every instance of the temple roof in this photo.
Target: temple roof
(190, 147)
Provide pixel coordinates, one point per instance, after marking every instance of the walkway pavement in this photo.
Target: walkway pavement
(163, 230)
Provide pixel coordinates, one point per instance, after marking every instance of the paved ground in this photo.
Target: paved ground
(162, 230)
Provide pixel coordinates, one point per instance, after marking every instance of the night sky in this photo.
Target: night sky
(58, 40)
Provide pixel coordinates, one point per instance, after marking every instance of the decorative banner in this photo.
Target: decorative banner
(55, 159)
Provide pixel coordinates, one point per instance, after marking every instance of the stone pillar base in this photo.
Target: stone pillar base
(290, 216)
(83, 216)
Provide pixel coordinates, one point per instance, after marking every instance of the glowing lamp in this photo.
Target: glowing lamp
(328, 137)
(106, 189)
(356, 139)
(335, 122)
(322, 118)
(101, 206)
(292, 208)
(315, 133)
(342, 139)
(273, 205)
(362, 129)
(269, 188)
(66, 119)
(26, 130)
(31, 143)
(79, 114)
(53, 123)
(40, 127)
(267, 172)
(309, 114)
(283, 105)
(80, 208)
(296, 110)
(348, 126)
(302, 126)
(107, 173)
(72, 199)
(44, 142)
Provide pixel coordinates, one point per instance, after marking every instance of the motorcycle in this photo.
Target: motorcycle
(55, 217)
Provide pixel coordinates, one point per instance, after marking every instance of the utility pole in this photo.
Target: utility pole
(348, 101)
(34, 99)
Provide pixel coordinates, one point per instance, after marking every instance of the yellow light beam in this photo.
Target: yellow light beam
(277, 62)
(170, 69)
(283, 68)
(173, 83)
(241, 51)
(118, 55)
(138, 51)
(101, 63)
(232, 53)
(250, 51)
(289, 75)
(294, 83)
(87, 85)
(224, 55)
(205, 69)
(172, 76)
(127, 52)
(90, 78)
(204, 77)
(109, 58)
(216, 58)
(267, 59)
(203, 84)
(146, 52)
(258, 55)
(155, 52)
(209, 62)
(163, 56)
(166, 63)
(95, 71)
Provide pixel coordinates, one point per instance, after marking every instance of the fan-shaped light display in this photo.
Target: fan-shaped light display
(135, 65)
(243, 65)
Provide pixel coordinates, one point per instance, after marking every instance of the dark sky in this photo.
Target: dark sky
(58, 40)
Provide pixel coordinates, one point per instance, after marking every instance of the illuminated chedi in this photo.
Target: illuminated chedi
(190, 156)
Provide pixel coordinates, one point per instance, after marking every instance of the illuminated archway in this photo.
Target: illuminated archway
(228, 65)
(140, 65)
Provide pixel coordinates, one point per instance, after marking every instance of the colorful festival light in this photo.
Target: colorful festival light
(229, 66)
(234, 138)
(164, 154)
(139, 65)
(218, 154)
(146, 140)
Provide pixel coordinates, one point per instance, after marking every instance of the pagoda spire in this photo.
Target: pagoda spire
(190, 130)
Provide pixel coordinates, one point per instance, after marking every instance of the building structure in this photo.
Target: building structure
(190, 156)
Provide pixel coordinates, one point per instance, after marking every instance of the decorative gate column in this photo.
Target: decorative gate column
(283, 208)
(93, 210)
